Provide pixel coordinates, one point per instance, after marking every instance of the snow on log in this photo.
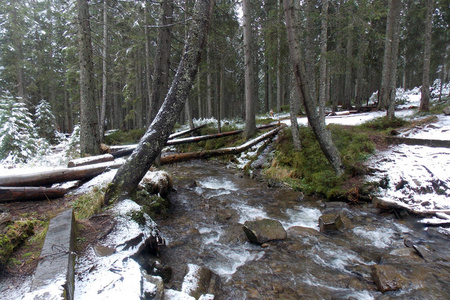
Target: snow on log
(418, 142)
(91, 160)
(385, 204)
(30, 193)
(120, 151)
(174, 158)
(58, 175)
(181, 133)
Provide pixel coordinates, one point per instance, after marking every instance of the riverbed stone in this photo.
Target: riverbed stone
(103, 250)
(387, 278)
(446, 110)
(157, 182)
(264, 230)
(152, 287)
(199, 281)
(330, 222)
(401, 255)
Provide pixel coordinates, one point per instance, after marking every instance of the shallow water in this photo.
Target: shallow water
(212, 202)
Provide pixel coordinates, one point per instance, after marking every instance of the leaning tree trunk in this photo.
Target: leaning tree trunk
(425, 97)
(151, 144)
(89, 134)
(322, 135)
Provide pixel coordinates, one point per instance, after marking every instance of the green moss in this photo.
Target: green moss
(88, 204)
(153, 205)
(124, 137)
(383, 124)
(308, 169)
(13, 236)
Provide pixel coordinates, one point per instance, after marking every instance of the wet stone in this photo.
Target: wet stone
(199, 281)
(387, 278)
(446, 110)
(401, 255)
(261, 231)
(152, 287)
(330, 222)
(103, 250)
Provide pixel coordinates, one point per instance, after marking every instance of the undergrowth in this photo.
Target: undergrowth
(88, 204)
(309, 171)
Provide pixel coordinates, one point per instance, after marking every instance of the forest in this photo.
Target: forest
(39, 55)
(330, 119)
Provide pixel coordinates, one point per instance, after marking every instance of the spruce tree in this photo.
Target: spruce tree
(19, 140)
(45, 122)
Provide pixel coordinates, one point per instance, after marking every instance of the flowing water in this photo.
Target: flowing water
(212, 202)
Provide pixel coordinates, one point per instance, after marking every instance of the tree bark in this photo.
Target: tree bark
(389, 72)
(89, 134)
(30, 193)
(162, 59)
(151, 144)
(250, 121)
(323, 60)
(104, 69)
(322, 135)
(425, 97)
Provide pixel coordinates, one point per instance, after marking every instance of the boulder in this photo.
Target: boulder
(387, 278)
(261, 231)
(330, 222)
(158, 182)
(199, 281)
(152, 287)
(446, 111)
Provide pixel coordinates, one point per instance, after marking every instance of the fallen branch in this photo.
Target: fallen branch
(30, 193)
(174, 158)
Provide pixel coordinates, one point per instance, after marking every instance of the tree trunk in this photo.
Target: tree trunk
(323, 136)
(250, 121)
(104, 70)
(293, 108)
(425, 97)
(347, 101)
(389, 73)
(151, 144)
(209, 109)
(89, 134)
(323, 60)
(162, 59)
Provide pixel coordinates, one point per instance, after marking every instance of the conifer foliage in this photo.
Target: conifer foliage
(19, 140)
(45, 122)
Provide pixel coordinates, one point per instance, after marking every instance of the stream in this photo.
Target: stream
(212, 201)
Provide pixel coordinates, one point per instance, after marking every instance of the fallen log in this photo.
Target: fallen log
(181, 133)
(30, 193)
(418, 142)
(58, 175)
(47, 178)
(91, 160)
(174, 158)
(127, 150)
(384, 204)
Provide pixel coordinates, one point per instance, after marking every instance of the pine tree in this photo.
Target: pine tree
(45, 122)
(19, 140)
